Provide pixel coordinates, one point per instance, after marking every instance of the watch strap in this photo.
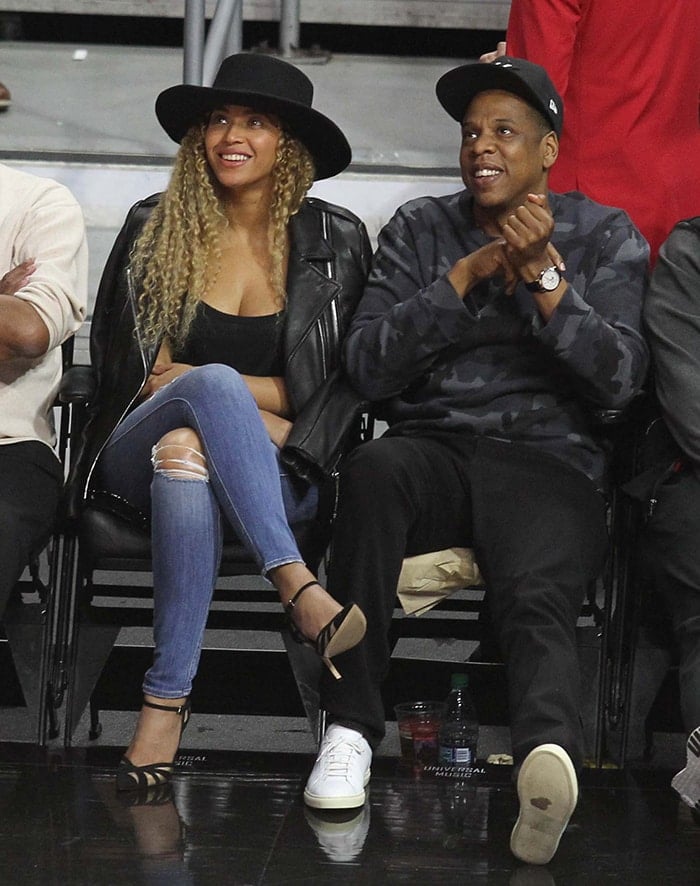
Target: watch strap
(536, 285)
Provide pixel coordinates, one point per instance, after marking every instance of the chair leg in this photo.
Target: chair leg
(306, 667)
(322, 725)
(95, 725)
(88, 647)
(54, 678)
(603, 674)
(92, 646)
(29, 627)
(49, 727)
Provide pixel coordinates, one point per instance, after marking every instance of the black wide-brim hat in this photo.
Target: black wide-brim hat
(266, 84)
(529, 81)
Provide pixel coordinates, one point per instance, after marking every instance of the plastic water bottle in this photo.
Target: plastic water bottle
(459, 732)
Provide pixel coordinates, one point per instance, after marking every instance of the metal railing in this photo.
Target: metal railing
(202, 56)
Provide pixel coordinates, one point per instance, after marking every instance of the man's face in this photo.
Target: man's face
(505, 151)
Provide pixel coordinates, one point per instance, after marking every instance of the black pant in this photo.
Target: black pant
(538, 530)
(30, 485)
(671, 549)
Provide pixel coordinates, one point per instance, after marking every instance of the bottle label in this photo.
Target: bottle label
(452, 756)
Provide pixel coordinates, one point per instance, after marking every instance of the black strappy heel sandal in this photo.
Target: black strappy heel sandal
(342, 632)
(141, 778)
(157, 795)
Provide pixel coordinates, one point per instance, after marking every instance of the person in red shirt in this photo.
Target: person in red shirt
(629, 75)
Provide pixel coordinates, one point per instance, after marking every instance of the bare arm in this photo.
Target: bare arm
(22, 331)
(277, 427)
(270, 393)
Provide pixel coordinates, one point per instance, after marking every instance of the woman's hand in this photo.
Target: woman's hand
(277, 427)
(161, 375)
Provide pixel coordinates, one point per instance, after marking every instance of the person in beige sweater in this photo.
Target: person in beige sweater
(43, 296)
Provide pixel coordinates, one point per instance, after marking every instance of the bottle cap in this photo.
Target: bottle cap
(459, 681)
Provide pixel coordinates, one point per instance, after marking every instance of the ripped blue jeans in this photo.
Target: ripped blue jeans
(246, 485)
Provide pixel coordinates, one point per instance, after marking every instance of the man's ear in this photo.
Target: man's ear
(550, 149)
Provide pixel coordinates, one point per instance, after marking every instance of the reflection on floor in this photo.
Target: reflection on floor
(242, 821)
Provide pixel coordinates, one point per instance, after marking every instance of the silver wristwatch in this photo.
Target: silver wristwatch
(547, 280)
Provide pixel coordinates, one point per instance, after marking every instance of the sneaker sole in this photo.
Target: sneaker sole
(687, 782)
(548, 792)
(349, 801)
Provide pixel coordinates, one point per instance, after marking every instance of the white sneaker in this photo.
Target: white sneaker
(341, 771)
(548, 792)
(687, 782)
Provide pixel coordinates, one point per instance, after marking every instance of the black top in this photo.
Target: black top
(251, 345)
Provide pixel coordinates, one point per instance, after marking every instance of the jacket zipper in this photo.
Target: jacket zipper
(674, 468)
(142, 352)
(329, 327)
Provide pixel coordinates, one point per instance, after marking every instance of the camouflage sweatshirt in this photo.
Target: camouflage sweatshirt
(489, 364)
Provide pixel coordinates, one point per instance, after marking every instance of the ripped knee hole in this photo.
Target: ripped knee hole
(179, 462)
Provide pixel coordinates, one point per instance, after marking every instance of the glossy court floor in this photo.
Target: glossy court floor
(236, 816)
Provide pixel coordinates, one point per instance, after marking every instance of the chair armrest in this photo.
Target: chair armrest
(77, 387)
(609, 417)
(632, 411)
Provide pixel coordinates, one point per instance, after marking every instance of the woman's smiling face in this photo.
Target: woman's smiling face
(241, 145)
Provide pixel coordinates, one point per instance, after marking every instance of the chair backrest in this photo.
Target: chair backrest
(654, 455)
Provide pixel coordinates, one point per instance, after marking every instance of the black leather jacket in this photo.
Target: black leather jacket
(328, 263)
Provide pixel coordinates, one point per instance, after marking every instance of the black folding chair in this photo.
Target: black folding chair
(640, 625)
(30, 621)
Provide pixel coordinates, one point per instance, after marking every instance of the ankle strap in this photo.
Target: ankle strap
(179, 709)
(292, 603)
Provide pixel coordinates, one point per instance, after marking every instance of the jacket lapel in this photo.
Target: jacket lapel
(309, 287)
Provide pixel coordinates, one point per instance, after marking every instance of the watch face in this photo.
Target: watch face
(549, 279)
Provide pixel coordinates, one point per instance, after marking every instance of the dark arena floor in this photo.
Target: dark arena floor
(235, 814)
(240, 819)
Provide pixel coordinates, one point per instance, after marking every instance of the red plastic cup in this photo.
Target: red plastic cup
(419, 727)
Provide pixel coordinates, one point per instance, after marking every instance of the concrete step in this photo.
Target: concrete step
(485, 14)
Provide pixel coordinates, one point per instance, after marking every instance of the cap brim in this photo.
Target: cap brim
(180, 107)
(456, 89)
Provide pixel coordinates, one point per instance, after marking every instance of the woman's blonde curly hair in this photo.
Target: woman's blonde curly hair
(176, 257)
